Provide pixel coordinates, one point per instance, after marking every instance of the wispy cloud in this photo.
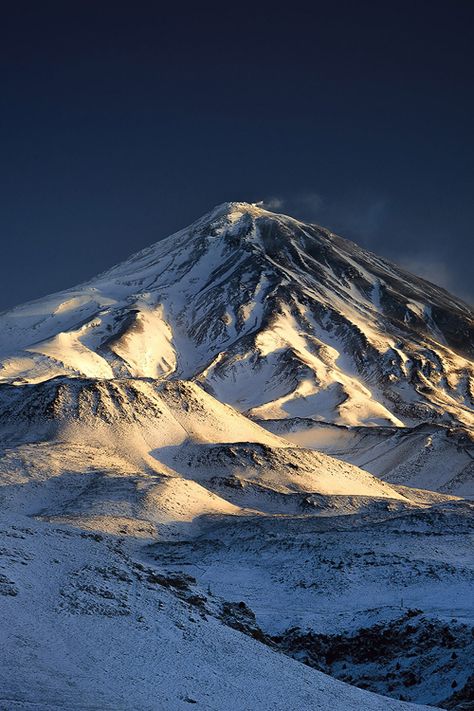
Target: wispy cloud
(358, 214)
(425, 266)
(273, 204)
(306, 205)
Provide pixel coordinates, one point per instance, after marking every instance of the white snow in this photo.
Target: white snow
(131, 458)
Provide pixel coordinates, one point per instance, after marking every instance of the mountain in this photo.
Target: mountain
(232, 472)
(272, 316)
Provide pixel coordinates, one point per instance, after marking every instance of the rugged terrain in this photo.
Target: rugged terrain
(236, 473)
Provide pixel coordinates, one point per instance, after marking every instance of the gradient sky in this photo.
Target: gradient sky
(123, 122)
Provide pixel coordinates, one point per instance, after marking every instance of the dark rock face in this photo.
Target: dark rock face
(240, 617)
(412, 658)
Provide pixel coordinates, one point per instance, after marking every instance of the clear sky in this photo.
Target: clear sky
(121, 122)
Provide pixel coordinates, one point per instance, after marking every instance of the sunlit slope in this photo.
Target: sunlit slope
(143, 457)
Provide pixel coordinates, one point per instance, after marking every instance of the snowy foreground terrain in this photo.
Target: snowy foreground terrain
(237, 472)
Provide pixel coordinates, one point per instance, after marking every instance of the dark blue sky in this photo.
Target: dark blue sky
(122, 122)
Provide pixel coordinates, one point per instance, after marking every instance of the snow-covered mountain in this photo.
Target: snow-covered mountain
(229, 464)
(275, 317)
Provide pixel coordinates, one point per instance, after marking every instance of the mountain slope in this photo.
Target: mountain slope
(89, 628)
(275, 317)
(166, 517)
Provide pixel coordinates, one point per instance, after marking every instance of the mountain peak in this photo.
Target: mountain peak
(238, 208)
(232, 213)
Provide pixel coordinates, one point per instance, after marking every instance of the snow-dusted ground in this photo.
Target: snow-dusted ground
(85, 625)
